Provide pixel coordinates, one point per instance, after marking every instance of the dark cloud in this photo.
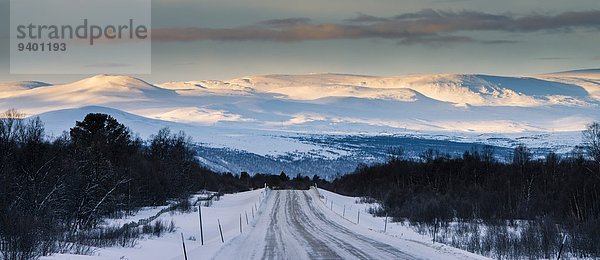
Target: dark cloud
(255, 33)
(365, 18)
(436, 40)
(424, 27)
(553, 58)
(498, 41)
(286, 22)
(562, 21)
(108, 65)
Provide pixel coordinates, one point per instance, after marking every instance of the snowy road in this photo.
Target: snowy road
(296, 225)
(281, 225)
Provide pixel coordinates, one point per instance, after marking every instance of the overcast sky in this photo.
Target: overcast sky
(201, 39)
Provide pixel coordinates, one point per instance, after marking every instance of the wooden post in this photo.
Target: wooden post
(220, 231)
(344, 213)
(200, 218)
(561, 247)
(434, 230)
(385, 225)
(183, 242)
(240, 223)
(358, 218)
(331, 207)
(246, 212)
(129, 194)
(253, 213)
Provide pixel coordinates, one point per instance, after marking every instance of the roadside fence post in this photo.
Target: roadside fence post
(240, 223)
(385, 225)
(220, 231)
(184, 251)
(200, 219)
(562, 245)
(435, 224)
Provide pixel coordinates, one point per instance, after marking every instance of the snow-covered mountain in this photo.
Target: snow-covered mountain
(479, 90)
(10, 88)
(334, 102)
(271, 116)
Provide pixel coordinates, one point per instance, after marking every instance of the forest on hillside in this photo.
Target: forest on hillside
(525, 208)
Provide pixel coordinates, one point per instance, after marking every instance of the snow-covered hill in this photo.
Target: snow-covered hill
(8, 89)
(587, 79)
(272, 115)
(459, 89)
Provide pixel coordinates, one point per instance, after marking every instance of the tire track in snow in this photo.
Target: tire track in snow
(296, 228)
(327, 236)
(375, 249)
(273, 234)
(319, 248)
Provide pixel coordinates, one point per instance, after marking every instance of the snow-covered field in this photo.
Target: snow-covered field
(287, 225)
(227, 210)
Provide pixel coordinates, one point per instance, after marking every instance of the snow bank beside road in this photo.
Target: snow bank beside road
(346, 212)
(168, 246)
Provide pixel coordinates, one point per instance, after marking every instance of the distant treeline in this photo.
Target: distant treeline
(281, 181)
(562, 192)
(53, 189)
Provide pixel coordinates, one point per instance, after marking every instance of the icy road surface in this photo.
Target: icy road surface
(299, 226)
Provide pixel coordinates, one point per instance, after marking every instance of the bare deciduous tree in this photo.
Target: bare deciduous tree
(591, 140)
(10, 124)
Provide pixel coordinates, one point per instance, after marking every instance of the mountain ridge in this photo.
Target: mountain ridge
(582, 71)
(336, 103)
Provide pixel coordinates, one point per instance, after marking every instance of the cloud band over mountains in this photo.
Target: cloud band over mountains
(424, 27)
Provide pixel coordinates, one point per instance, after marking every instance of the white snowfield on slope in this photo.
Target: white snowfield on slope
(288, 225)
(256, 113)
(440, 102)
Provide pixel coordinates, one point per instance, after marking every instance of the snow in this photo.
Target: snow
(199, 115)
(143, 213)
(258, 142)
(348, 208)
(259, 231)
(454, 88)
(11, 88)
(591, 83)
(257, 113)
(168, 246)
(260, 101)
